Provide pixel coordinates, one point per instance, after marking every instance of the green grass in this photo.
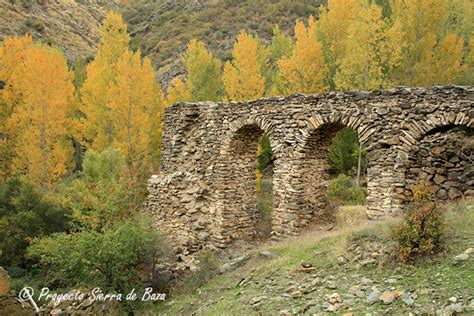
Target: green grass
(272, 277)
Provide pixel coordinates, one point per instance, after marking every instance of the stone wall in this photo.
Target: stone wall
(444, 160)
(204, 195)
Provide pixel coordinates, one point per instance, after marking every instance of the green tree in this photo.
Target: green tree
(342, 151)
(26, 212)
(281, 45)
(101, 196)
(265, 154)
(204, 73)
(80, 72)
(111, 260)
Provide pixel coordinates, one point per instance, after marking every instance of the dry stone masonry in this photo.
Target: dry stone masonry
(444, 160)
(205, 194)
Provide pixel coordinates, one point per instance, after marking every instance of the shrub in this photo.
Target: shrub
(343, 191)
(33, 24)
(208, 268)
(109, 260)
(101, 196)
(26, 212)
(422, 230)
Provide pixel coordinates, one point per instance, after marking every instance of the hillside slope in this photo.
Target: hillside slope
(163, 28)
(346, 270)
(71, 25)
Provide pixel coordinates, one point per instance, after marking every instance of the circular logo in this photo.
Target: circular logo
(26, 293)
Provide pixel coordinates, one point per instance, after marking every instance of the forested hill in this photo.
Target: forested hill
(160, 28)
(71, 25)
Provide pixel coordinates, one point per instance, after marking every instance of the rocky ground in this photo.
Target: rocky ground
(346, 271)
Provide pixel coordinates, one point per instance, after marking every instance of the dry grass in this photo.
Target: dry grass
(4, 283)
(350, 220)
(351, 216)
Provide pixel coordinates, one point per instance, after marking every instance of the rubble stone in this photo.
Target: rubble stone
(207, 170)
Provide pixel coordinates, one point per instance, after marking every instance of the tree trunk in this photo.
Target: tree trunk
(359, 165)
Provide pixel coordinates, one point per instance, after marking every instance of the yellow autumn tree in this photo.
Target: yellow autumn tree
(44, 84)
(135, 103)
(178, 92)
(304, 71)
(373, 49)
(244, 77)
(461, 22)
(12, 54)
(95, 126)
(331, 32)
(424, 31)
(447, 66)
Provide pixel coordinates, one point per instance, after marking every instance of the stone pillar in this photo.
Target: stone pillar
(302, 181)
(237, 185)
(286, 196)
(385, 181)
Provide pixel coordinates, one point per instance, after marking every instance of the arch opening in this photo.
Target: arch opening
(442, 159)
(334, 174)
(249, 185)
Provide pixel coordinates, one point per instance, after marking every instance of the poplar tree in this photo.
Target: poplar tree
(12, 54)
(331, 32)
(203, 73)
(95, 125)
(305, 70)
(423, 24)
(244, 77)
(44, 84)
(373, 49)
(135, 102)
(178, 92)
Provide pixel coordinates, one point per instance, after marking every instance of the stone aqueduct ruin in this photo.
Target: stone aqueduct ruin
(205, 193)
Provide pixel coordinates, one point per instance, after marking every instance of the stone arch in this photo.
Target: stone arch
(236, 187)
(314, 150)
(264, 124)
(418, 129)
(435, 155)
(308, 174)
